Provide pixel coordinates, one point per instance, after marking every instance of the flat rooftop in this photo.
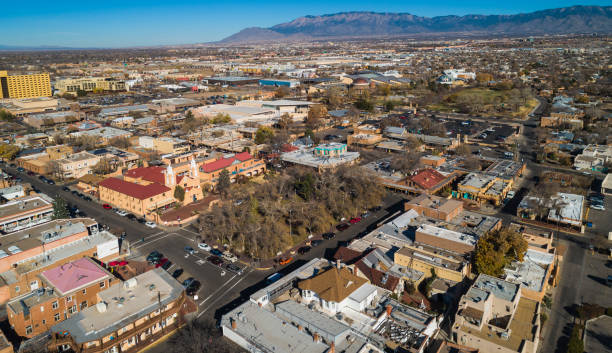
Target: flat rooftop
(521, 327)
(121, 304)
(308, 158)
(477, 180)
(25, 205)
(270, 333)
(451, 235)
(498, 287)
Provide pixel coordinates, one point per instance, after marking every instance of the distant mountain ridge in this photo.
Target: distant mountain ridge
(566, 20)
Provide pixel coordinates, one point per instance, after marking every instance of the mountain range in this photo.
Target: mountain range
(567, 20)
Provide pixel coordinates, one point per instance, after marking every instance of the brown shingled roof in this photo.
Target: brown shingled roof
(333, 285)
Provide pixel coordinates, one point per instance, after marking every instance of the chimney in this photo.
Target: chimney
(332, 348)
(233, 324)
(300, 328)
(389, 308)
(315, 337)
(338, 264)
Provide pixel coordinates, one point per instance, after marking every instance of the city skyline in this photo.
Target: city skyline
(138, 23)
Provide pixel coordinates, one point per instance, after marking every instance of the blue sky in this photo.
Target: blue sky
(112, 23)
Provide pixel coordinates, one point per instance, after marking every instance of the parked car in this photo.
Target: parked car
(193, 288)
(65, 188)
(237, 269)
(355, 220)
(216, 252)
(166, 265)
(177, 273)
(20, 169)
(273, 278)
(150, 224)
(304, 249)
(204, 246)
(228, 256)
(285, 260)
(316, 242)
(188, 281)
(160, 262)
(131, 217)
(142, 220)
(189, 250)
(598, 207)
(215, 260)
(121, 213)
(342, 226)
(50, 182)
(329, 235)
(154, 256)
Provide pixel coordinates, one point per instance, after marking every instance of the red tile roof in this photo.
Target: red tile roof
(427, 178)
(152, 174)
(225, 162)
(138, 191)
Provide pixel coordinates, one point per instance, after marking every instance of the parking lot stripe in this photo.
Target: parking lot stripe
(229, 289)
(218, 289)
(152, 241)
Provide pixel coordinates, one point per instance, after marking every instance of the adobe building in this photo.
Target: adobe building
(435, 207)
(445, 239)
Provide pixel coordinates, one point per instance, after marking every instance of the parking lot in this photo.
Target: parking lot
(600, 219)
(216, 281)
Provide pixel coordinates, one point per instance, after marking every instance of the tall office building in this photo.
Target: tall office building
(24, 86)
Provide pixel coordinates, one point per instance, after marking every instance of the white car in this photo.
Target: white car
(121, 213)
(204, 246)
(150, 224)
(228, 256)
(598, 207)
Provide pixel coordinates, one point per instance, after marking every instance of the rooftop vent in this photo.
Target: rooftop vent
(130, 283)
(101, 307)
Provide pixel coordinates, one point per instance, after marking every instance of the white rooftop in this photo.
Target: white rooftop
(448, 234)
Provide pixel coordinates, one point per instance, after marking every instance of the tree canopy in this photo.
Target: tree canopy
(495, 250)
(60, 209)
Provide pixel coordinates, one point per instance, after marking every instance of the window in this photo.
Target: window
(72, 309)
(42, 308)
(68, 299)
(28, 330)
(56, 317)
(101, 284)
(54, 305)
(44, 322)
(85, 291)
(17, 289)
(83, 304)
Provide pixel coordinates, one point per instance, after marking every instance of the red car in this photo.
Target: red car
(106, 206)
(285, 260)
(355, 220)
(161, 262)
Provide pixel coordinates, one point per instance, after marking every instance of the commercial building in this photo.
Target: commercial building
(75, 165)
(24, 106)
(435, 207)
(49, 119)
(495, 317)
(295, 109)
(164, 145)
(241, 164)
(27, 253)
(483, 187)
(89, 84)
(24, 86)
(127, 317)
(279, 83)
(104, 134)
(238, 113)
(445, 239)
(325, 156)
(25, 212)
(60, 293)
(423, 258)
(40, 163)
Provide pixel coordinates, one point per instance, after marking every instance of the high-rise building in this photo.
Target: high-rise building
(24, 86)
